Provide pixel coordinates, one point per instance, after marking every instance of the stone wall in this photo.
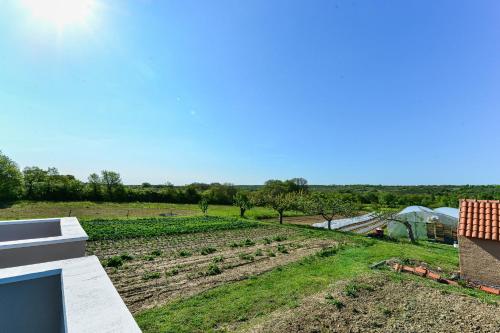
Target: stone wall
(480, 260)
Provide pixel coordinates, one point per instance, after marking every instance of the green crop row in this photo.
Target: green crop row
(153, 227)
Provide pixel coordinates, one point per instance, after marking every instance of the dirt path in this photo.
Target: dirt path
(383, 305)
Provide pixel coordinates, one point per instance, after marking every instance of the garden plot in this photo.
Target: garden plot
(151, 271)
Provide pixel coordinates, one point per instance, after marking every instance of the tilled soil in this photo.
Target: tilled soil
(383, 305)
(151, 280)
(170, 245)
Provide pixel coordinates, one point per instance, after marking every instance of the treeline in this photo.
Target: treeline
(34, 183)
(422, 195)
(48, 185)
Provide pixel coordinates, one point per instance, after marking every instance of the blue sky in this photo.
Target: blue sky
(379, 92)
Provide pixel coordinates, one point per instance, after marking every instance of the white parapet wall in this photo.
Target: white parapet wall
(73, 295)
(25, 242)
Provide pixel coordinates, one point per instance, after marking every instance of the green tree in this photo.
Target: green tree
(94, 183)
(274, 187)
(220, 193)
(112, 183)
(203, 204)
(369, 198)
(191, 194)
(11, 179)
(297, 185)
(68, 188)
(169, 193)
(328, 206)
(34, 180)
(50, 182)
(280, 202)
(388, 199)
(243, 201)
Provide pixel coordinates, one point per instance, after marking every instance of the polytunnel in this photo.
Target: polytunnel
(439, 224)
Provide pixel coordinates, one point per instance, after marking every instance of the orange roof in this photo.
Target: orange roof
(480, 219)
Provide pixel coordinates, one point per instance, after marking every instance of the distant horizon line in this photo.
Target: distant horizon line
(354, 184)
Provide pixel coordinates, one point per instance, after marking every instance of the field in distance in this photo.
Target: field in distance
(111, 210)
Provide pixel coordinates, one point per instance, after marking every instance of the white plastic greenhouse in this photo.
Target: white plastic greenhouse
(421, 218)
(341, 223)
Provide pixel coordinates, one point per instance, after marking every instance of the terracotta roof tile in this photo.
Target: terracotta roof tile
(480, 219)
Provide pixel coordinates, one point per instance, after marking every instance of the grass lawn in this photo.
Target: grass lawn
(234, 305)
(110, 210)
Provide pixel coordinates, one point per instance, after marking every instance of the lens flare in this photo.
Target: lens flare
(61, 13)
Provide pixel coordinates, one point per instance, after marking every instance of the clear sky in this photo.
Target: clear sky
(379, 92)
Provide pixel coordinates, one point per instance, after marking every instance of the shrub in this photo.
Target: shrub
(203, 204)
(353, 289)
(282, 249)
(279, 238)
(248, 242)
(385, 311)
(327, 252)
(207, 250)
(259, 253)
(115, 261)
(126, 257)
(338, 304)
(184, 253)
(151, 275)
(156, 253)
(266, 240)
(218, 259)
(246, 256)
(172, 272)
(213, 269)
